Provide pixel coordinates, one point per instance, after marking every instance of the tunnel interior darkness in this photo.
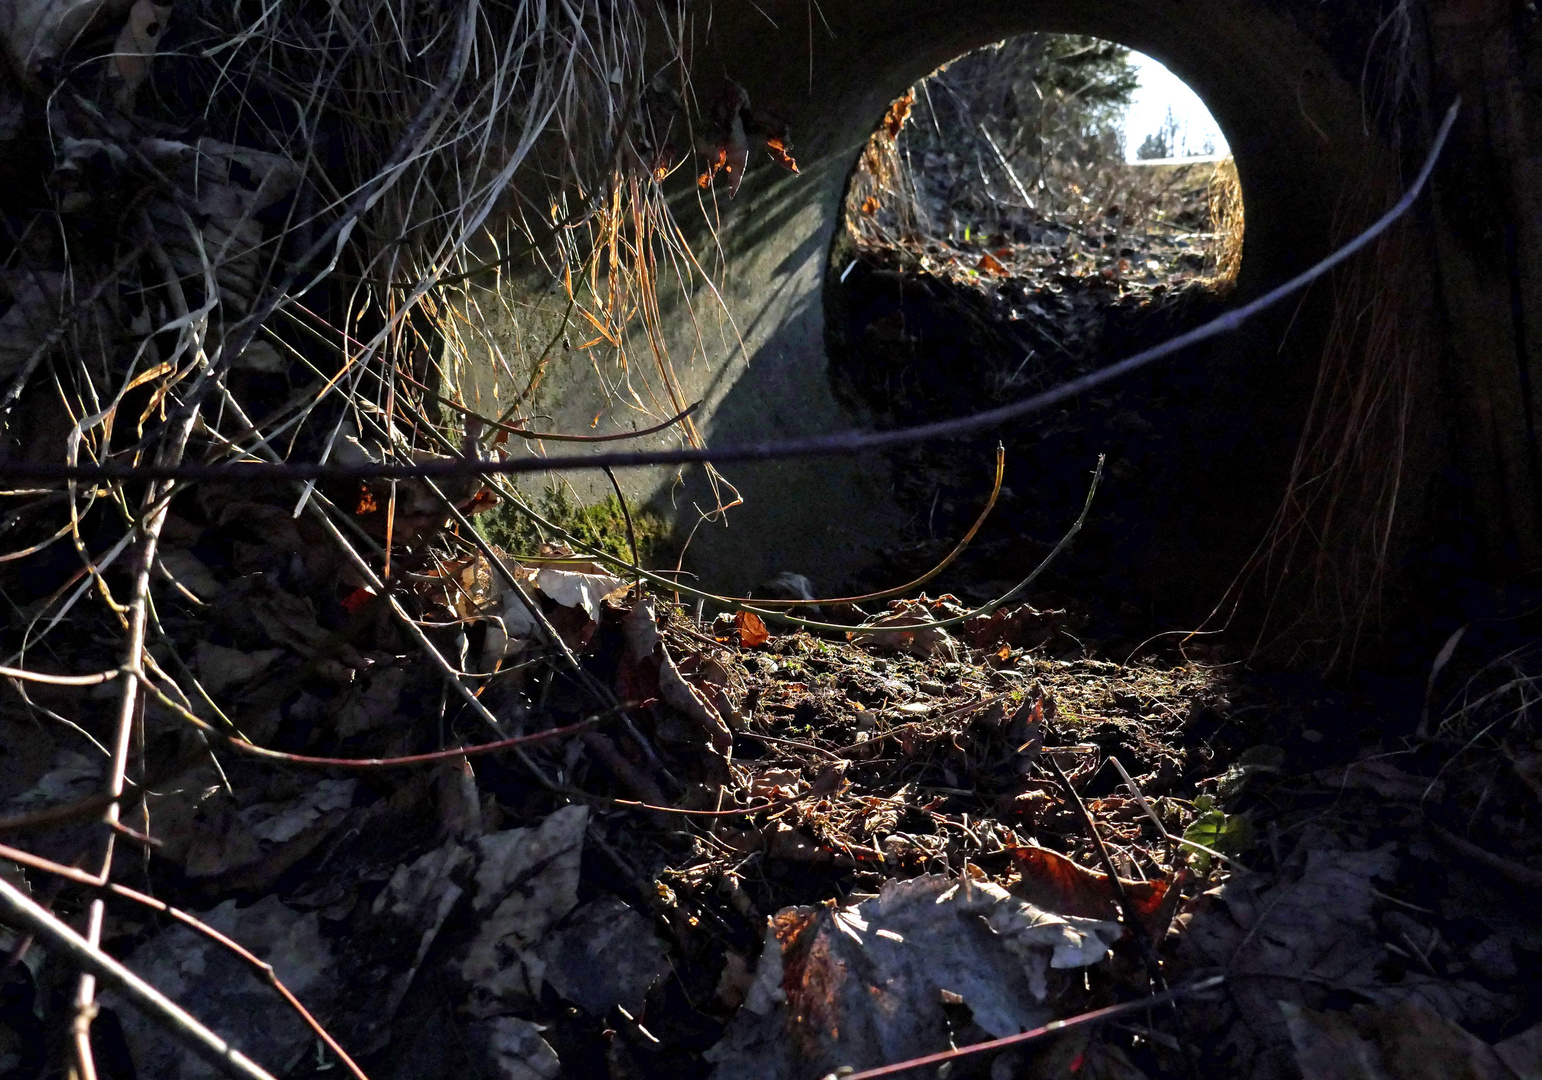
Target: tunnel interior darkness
(961, 280)
(1282, 82)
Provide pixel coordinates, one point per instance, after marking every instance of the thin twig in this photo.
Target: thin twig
(1121, 894)
(21, 911)
(58, 680)
(1055, 1027)
(264, 969)
(838, 444)
(626, 516)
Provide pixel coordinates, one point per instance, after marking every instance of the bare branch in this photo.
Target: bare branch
(24, 913)
(838, 444)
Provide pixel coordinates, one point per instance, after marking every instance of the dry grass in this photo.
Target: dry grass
(1324, 561)
(280, 230)
(361, 167)
(1226, 221)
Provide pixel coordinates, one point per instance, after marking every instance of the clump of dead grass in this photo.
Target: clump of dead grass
(1226, 222)
(249, 232)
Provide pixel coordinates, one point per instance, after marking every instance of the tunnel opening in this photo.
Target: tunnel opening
(1010, 225)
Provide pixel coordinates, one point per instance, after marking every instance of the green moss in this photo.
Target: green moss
(602, 524)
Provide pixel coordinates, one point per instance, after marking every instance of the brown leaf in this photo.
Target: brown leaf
(483, 501)
(1404, 1042)
(715, 161)
(776, 146)
(1055, 883)
(989, 264)
(1023, 627)
(899, 112)
(752, 630)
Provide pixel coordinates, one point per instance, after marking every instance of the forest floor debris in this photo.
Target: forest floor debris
(880, 861)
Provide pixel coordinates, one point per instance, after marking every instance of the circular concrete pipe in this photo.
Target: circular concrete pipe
(1289, 107)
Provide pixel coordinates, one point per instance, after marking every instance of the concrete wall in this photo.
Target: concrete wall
(1282, 82)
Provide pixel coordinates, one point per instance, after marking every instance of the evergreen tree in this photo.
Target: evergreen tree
(986, 128)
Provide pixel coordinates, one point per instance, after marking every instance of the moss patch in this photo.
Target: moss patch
(601, 524)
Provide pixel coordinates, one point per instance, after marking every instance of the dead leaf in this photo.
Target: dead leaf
(887, 631)
(189, 967)
(1024, 627)
(1404, 1042)
(864, 985)
(370, 702)
(73, 776)
(220, 668)
(776, 146)
(989, 264)
(1055, 883)
(135, 47)
(279, 823)
(1329, 1048)
(1523, 1053)
(776, 784)
(189, 571)
(36, 304)
(752, 629)
(735, 980)
(1417, 1044)
(39, 31)
(526, 883)
(386, 948)
(575, 590)
(512, 1049)
(1317, 931)
(1382, 777)
(643, 643)
(604, 954)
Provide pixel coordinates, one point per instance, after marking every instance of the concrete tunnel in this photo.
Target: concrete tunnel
(1287, 83)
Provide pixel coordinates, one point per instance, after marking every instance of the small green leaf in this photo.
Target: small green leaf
(1229, 834)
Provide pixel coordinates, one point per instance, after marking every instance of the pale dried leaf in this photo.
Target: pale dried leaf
(514, 1050)
(371, 702)
(526, 883)
(576, 590)
(1523, 1053)
(136, 45)
(386, 950)
(1328, 1047)
(281, 822)
(190, 572)
(189, 967)
(39, 31)
(888, 631)
(220, 667)
(73, 776)
(864, 985)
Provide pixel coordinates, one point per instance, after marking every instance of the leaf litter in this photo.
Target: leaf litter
(751, 852)
(805, 853)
